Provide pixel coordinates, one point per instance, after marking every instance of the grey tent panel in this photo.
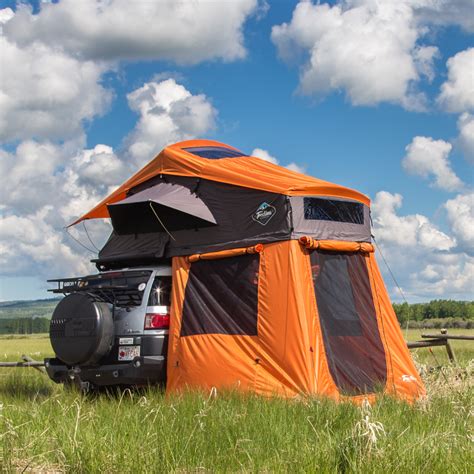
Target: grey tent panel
(173, 196)
(330, 218)
(237, 210)
(162, 207)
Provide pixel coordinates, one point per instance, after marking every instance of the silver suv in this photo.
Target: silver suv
(111, 329)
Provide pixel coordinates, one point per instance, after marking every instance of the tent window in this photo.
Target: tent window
(214, 152)
(346, 310)
(333, 210)
(221, 297)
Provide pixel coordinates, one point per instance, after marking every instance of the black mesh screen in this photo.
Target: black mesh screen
(346, 309)
(333, 210)
(214, 152)
(221, 297)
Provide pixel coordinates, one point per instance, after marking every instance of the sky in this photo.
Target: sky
(374, 95)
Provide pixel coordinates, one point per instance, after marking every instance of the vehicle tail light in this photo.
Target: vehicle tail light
(157, 321)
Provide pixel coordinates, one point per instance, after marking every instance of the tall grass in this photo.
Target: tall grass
(46, 428)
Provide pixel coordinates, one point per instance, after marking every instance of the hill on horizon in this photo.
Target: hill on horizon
(42, 308)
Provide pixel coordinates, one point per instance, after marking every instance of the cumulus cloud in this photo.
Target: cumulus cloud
(426, 157)
(56, 58)
(368, 49)
(184, 32)
(265, 155)
(414, 230)
(466, 136)
(427, 262)
(445, 12)
(457, 93)
(49, 184)
(29, 245)
(460, 214)
(45, 93)
(451, 277)
(168, 113)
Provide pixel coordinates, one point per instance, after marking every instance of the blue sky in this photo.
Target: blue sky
(251, 92)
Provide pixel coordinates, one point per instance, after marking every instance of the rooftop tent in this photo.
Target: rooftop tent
(160, 208)
(276, 289)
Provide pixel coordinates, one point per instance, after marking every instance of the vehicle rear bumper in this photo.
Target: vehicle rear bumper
(140, 371)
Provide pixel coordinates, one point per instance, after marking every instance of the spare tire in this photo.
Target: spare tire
(81, 329)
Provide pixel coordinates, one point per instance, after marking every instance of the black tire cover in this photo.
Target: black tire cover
(81, 329)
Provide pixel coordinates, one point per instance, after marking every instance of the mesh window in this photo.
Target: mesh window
(333, 210)
(346, 309)
(214, 152)
(221, 297)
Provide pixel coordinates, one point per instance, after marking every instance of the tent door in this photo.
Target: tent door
(354, 349)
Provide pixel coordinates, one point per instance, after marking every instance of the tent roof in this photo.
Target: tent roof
(217, 161)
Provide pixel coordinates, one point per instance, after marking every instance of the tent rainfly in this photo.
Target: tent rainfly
(276, 289)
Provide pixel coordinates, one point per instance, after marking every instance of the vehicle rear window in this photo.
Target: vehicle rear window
(160, 294)
(121, 289)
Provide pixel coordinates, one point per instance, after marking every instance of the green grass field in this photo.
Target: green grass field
(44, 428)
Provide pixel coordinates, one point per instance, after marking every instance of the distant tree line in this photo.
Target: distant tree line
(436, 314)
(432, 315)
(24, 325)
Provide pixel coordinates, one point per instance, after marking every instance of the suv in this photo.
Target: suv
(111, 329)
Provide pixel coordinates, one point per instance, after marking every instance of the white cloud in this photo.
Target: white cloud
(457, 93)
(466, 135)
(427, 157)
(427, 262)
(265, 155)
(460, 213)
(444, 280)
(45, 93)
(168, 113)
(185, 32)
(31, 246)
(446, 12)
(6, 15)
(56, 58)
(413, 230)
(366, 48)
(296, 167)
(49, 185)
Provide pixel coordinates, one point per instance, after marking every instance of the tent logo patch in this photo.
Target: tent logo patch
(264, 213)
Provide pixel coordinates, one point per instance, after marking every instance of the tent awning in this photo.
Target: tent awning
(164, 207)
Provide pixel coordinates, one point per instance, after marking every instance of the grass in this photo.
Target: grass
(44, 428)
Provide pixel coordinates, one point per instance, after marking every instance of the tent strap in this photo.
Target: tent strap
(335, 245)
(225, 253)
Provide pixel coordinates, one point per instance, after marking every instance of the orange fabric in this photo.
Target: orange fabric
(335, 245)
(249, 172)
(288, 356)
(278, 361)
(225, 253)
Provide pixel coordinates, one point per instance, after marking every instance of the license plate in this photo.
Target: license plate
(128, 352)
(126, 341)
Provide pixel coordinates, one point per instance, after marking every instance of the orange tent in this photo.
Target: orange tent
(276, 289)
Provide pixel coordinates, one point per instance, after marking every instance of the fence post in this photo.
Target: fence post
(449, 349)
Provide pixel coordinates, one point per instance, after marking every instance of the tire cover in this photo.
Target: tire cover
(81, 329)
